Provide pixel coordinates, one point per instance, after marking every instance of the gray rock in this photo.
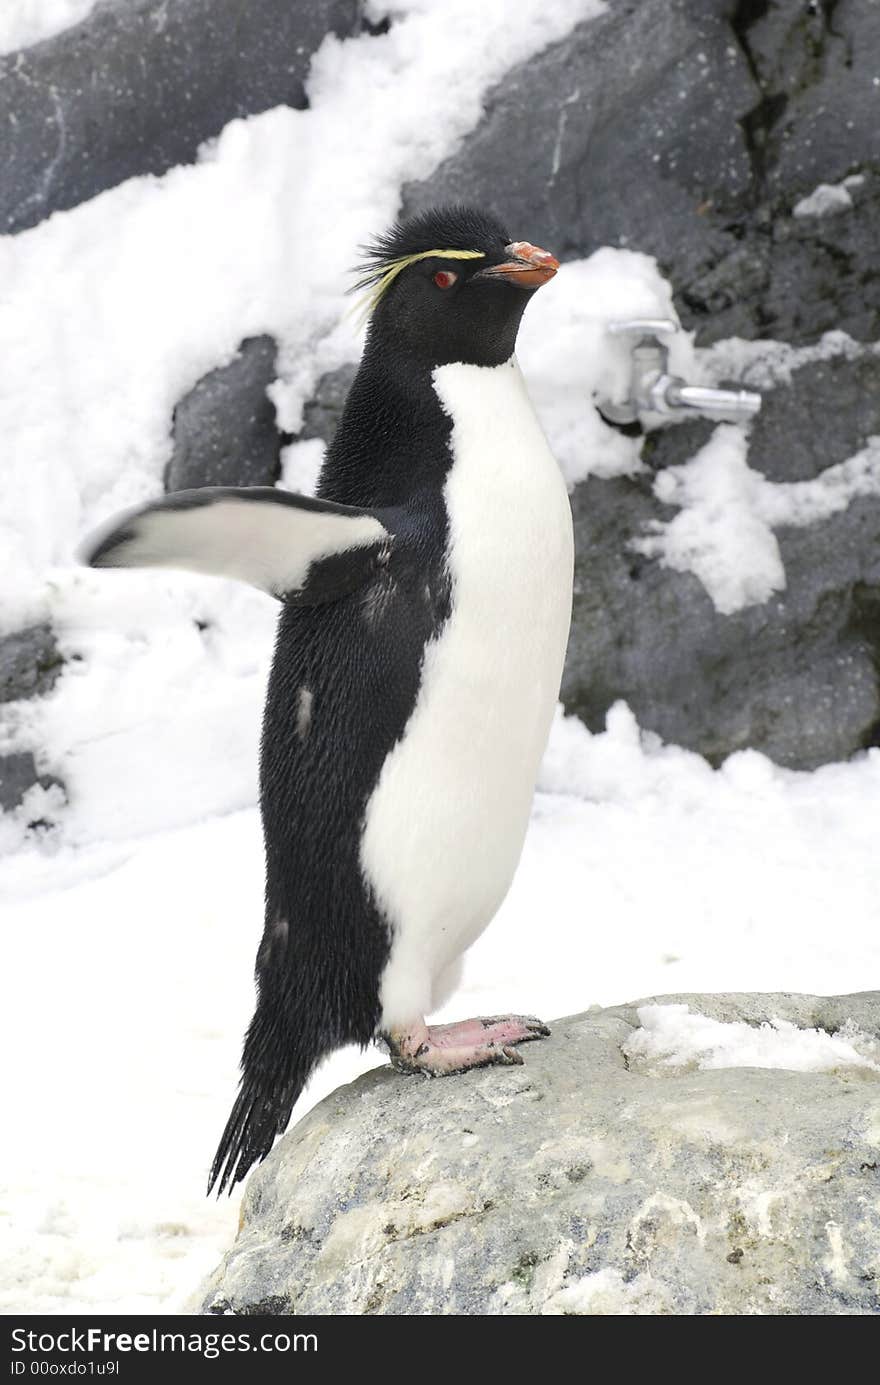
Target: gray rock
(792, 278)
(795, 677)
(824, 416)
(322, 413)
(224, 429)
(138, 86)
(816, 66)
(29, 663)
(688, 130)
(18, 773)
(581, 1183)
(644, 97)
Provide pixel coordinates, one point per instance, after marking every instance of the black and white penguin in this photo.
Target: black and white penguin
(425, 604)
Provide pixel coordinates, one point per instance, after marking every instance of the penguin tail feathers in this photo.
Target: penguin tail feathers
(259, 1114)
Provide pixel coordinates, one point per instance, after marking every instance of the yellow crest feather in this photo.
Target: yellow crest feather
(379, 281)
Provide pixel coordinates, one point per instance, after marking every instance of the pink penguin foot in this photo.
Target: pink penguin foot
(441, 1049)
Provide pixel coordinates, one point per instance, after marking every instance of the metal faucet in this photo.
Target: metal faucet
(654, 391)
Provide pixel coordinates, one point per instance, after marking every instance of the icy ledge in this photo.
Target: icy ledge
(696, 1154)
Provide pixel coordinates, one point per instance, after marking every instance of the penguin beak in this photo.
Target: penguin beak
(528, 267)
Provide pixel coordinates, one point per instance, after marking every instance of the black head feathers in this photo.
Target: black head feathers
(447, 285)
(437, 228)
(453, 231)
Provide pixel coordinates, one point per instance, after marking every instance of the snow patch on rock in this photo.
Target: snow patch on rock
(24, 22)
(723, 532)
(764, 363)
(671, 1036)
(828, 198)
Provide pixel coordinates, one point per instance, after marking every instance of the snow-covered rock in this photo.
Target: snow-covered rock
(690, 131)
(138, 85)
(725, 119)
(691, 1155)
(730, 592)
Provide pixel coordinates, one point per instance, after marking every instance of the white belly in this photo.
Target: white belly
(445, 825)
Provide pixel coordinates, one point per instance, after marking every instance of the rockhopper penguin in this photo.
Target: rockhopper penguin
(425, 604)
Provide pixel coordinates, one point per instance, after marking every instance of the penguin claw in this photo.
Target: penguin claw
(443, 1049)
(535, 1028)
(445, 1062)
(498, 1030)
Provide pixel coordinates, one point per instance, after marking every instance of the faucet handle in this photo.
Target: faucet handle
(655, 326)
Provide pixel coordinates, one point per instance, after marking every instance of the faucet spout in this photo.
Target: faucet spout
(724, 404)
(655, 396)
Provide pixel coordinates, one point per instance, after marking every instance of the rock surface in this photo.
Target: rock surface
(322, 413)
(581, 1183)
(796, 676)
(138, 86)
(224, 429)
(18, 774)
(688, 129)
(691, 131)
(30, 662)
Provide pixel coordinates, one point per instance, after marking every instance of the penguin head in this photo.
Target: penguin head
(449, 285)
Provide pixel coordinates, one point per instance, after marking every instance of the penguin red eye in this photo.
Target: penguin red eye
(444, 278)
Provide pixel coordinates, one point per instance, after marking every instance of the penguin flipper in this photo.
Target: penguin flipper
(300, 549)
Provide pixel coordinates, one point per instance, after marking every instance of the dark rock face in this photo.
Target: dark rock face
(18, 773)
(616, 154)
(29, 663)
(224, 429)
(137, 87)
(715, 683)
(815, 65)
(687, 129)
(793, 278)
(690, 129)
(322, 413)
(827, 414)
(798, 676)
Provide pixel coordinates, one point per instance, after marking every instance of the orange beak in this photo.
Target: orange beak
(527, 266)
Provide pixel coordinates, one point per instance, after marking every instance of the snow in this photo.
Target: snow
(764, 364)
(129, 962)
(828, 198)
(132, 918)
(23, 22)
(675, 1038)
(570, 361)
